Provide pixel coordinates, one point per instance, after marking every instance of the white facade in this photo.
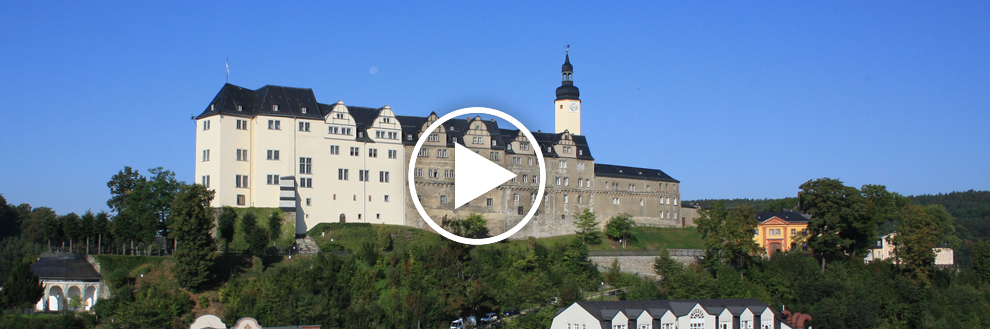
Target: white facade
(674, 314)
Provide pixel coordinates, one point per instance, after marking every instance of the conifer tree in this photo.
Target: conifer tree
(192, 222)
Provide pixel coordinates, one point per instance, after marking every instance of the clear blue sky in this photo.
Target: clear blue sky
(736, 100)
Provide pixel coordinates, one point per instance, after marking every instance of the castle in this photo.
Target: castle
(278, 147)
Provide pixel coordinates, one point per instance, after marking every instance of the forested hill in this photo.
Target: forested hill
(758, 204)
(971, 210)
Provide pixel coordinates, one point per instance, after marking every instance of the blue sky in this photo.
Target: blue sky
(736, 100)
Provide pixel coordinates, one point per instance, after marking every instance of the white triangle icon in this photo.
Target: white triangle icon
(474, 175)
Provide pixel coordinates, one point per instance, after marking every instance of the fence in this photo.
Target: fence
(673, 253)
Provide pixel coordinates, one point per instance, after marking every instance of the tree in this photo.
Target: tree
(840, 223)
(10, 221)
(587, 224)
(226, 226)
(728, 235)
(22, 289)
(162, 188)
(248, 222)
(192, 223)
(274, 226)
(257, 239)
(384, 238)
(121, 185)
(620, 228)
(915, 242)
(102, 227)
(87, 226)
(474, 226)
(667, 268)
(981, 260)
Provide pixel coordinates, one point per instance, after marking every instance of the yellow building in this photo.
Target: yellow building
(781, 231)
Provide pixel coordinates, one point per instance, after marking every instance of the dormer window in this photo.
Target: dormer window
(580, 152)
(275, 108)
(212, 108)
(386, 120)
(303, 110)
(240, 108)
(408, 137)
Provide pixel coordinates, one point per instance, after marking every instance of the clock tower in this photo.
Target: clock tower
(567, 107)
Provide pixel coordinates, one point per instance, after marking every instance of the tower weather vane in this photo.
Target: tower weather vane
(568, 48)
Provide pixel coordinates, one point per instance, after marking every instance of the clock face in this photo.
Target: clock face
(574, 106)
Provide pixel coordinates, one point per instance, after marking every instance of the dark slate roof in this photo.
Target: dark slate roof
(604, 311)
(567, 90)
(364, 117)
(290, 102)
(410, 126)
(789, 216)
(605, 170)
(65, 266)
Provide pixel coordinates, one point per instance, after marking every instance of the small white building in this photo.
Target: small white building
(66, 276)
(740, 313)
(884, 249)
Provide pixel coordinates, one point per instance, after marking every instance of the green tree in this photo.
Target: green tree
(384, 238)
(587, 224)
(192, 223)
(981, 260)
(474, 226)
(248, 222)
(226, 224)
(728, 235)
(102, 228)
(87, 227)
(841, 223)
(22, 289)
(915, 242)
(620, 228)
(162, 188)
(274, 226)
(121, 185)
(257, 240)
(10, 221)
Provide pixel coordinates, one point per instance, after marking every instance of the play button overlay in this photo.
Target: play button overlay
(474, 175)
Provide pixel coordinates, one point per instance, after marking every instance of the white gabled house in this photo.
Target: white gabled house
(740, 313)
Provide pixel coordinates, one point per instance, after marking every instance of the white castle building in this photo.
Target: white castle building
(278, 147)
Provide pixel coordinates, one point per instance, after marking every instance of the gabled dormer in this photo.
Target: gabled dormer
(385, 127)
(565, 146)
(339, 121)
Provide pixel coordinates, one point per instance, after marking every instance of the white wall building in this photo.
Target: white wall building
(743, 313)
(884, 249)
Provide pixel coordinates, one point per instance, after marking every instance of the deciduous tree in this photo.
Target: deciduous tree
(915, 242)
(620, 228)
(587, 224)
(274, 226)
(192, 223)
(226, 224)
(841, 223)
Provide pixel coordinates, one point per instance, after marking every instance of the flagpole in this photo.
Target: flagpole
(227, 63)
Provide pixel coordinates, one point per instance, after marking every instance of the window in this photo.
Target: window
(424, 152)
(645, 326)
(493, 155)
(275, 108)
(453, 139)
(567, 149)
(383, 177)
(274, 124)
(372, 153)
(393, 154)
(431, 138)
(206, 155)
(632, 187)
(793, 232)
(434, 173)
(418, 173)
(339, 116)
(744, 324)
(495, 143)
(520, 210)
(334, 149)
(272, 154)
(303, 109)
(408, 137)
(532, 197)
(580, 182)
(306, 182)
(556, 180)
(530, 162)
(272, 180)
(206, 181)
(567, 182)
(562, 164)
(515, 197)
(723, 325)
(304, 126)
(448, 174)
(242, 155)
(516, 160)
(615, 200)
(240, 200)
(668, 326)
(309, 201)
(579, 199)
(206, 124)
(386, 198)
(386, 120)
(618, 326)
(242, 124)
(386, 134)
(443, 199)
(489, 202)
(536, 179)
(306, 165)
(565, 198)
(355, 151)
(342, 174)
(441, 153)
(363, 175)
(580, 165)
(767, 324)
(477, 140)
(525, 179)
(524, 147)
(241, 181)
